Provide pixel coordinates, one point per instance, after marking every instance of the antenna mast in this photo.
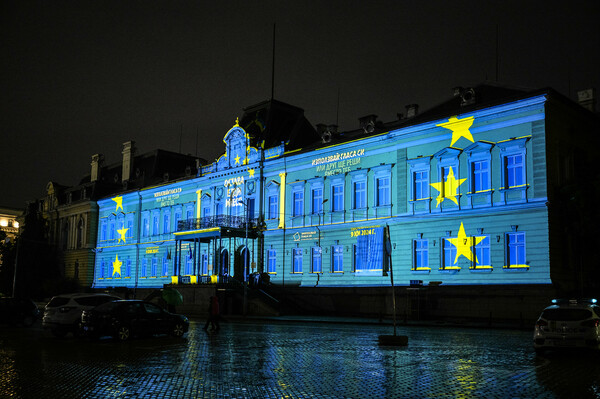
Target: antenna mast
(273, 66)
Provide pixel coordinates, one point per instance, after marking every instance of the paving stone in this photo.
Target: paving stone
(295, 360)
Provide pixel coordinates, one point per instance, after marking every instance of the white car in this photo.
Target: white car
(568, 324)
(63, 313)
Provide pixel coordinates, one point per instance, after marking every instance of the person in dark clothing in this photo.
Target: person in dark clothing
(213, 314)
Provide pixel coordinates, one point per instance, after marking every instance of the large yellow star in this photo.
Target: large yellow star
(448, 189)
(117, 266)
(250, 173)
(464, 244)
(119, 201)
(459, 127)
(122, 234)
(237, 159)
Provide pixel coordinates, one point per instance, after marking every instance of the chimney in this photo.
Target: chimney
(587, 99)
(367, 123)
(97, 161)
(412, 110)
(128, 153)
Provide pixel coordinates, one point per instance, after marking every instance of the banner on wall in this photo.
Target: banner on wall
(369, 249)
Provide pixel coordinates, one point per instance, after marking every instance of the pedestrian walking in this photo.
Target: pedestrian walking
(213, 314)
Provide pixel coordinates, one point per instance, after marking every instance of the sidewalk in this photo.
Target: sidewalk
(375, 321)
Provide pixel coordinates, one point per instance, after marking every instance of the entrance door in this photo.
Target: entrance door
(242, 264)
(224, 263)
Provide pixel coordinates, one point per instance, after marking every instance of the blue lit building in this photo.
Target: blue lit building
(485, 191)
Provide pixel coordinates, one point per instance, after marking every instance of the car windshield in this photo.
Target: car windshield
(562, 314)
(58, 301)
(94, 300)
(106, 307)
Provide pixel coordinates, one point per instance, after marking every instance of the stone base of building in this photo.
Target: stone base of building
(494, 305)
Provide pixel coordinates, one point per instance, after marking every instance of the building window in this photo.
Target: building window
(102, 275)
(337, 258)
(112, 230)
(337, 197)
(204, 263)
(144, 267)
(177, 219)
(297, 259)
(515, 250)
(514, 170)
(298, 203)
(103, 231)
(273, 208)
(420, 254)
(128, 268)
(189, 214)
(316, 260)
(189, 263)
(448, 254)
(219, 209)
(420, 185)
(166, 226)
(382, 186)
(129, 227)
(154, 270)
(271, 261)
(482, 253)
(165, 266)
(146, 227)
(360, 194)
(480, 176)
(155, 230)
(317, 200)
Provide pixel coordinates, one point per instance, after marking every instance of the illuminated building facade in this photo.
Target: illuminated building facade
(70, 213)
(471, 192)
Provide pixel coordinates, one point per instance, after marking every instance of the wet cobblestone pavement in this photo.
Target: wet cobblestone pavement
(292, 360)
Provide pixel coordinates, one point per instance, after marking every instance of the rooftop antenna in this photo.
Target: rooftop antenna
(273, 66)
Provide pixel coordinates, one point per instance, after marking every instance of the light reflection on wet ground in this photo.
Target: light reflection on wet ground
(254, 360)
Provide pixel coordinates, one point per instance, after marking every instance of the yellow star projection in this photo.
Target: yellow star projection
(119, 201)
(251, 173)
(448, 189)
(122, 233)
(460, 128)
(117, 266)
(464, 244)
(237, 159)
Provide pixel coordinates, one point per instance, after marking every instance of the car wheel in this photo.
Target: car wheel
(59, 332)
(27, 321)
(78, 330)
(178, 330)
(123, 333)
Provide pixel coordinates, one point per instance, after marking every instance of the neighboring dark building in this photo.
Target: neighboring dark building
(71, 212)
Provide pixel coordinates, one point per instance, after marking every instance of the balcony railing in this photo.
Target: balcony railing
(239, 222)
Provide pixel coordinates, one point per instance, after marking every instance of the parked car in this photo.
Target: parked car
(568, 324)
(18, 311)
(126, 318)
(62, 314)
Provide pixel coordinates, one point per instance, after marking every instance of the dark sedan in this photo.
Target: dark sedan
(18, 311)
(126, 318)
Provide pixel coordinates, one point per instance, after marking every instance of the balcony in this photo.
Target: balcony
(235, 222)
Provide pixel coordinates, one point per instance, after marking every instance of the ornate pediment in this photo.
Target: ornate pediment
(238, 151)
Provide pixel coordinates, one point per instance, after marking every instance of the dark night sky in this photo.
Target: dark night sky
(79, 78)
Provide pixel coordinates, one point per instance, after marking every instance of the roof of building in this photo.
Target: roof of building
(273, 122)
